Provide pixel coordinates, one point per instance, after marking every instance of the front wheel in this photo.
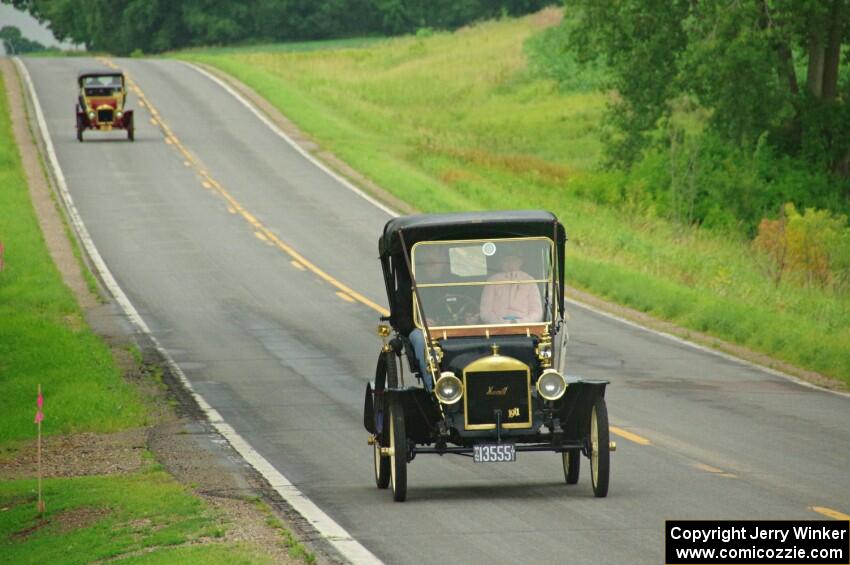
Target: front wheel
(131, 130)
(398, 451)
(572, 465)
(600, 454)
(80, 128)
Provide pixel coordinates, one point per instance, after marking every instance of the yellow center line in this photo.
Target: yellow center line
(239, 209)
(714, 470)
(830, 513)
(707, 468)
(640, 440)
(344, 296)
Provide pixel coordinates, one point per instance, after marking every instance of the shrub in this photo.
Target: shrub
(549, 58)
(695, 177)
(813, 247)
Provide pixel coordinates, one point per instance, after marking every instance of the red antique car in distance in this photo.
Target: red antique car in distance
(100, 105)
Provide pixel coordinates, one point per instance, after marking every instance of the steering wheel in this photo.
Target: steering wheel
(456, 309)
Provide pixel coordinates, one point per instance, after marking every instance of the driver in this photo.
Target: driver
(441, 305)
(511, 303)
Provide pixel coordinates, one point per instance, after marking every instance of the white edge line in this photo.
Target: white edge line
(304, 153)
(706, 349)
(345, 182)
(335, 534)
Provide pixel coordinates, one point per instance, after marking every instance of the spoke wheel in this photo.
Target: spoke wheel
(382, 466)
(386, 377)
(398, 451)
(572, 465)
(600, 455)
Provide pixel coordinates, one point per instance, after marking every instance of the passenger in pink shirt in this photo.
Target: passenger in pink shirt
(511, 303)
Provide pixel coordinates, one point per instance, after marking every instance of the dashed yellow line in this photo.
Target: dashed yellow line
(708, 468)
(233, 204)
(261, 236)
(640, 440)
(714, 470)
(830, 513)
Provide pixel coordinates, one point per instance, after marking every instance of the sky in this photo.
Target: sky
(29, 26)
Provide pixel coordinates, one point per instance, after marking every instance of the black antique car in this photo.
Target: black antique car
(100, 103)
(477, 319)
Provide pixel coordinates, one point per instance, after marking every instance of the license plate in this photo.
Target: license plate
(494, 453)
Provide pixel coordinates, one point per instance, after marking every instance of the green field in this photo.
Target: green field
(147, 515)
(456, 121)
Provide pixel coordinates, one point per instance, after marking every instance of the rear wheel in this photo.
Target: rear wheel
(600, 455)
(398, 451)
(382, 466)
(386, 377)
(572, 465)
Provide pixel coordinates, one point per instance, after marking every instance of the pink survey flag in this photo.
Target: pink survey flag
(39, 415)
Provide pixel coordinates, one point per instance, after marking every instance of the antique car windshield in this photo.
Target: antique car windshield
(113, 81)
(497, 282)
(106, 85)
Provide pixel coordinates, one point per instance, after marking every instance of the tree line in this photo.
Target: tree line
(14, 43)
(775, 72)
(153, 26)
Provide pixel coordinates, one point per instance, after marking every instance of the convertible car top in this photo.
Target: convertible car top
(456, 226)
(93, 73)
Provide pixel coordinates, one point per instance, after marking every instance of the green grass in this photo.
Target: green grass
(458, 121)
(147, 511)
(298, 46)
(206, 554)
(43, 337)
(294, 548)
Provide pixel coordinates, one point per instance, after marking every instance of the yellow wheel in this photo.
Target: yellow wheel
(600, 454)
(398, 451)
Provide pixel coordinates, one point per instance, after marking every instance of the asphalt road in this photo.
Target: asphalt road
(284, 358)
